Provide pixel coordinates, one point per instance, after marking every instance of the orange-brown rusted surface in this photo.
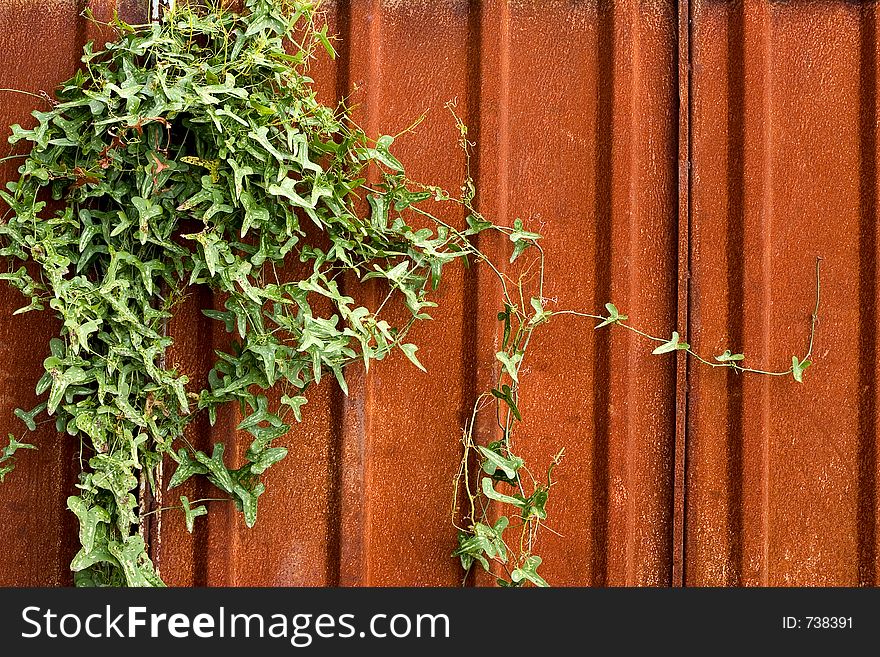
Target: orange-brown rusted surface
(681, 388)
(782, 478)
(40, 46)
(591, 158)
(687, 161)
(571, 108)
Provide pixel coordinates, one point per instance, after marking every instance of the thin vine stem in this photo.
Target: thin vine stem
(702, 359)
(178, 507)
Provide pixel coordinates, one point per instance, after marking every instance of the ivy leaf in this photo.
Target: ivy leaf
(300, 144)
(287, 189)
(29, 417)
(495, 461)
(728, 357)
(254, 213)
(82, 332)
(529, 571)
(518, 248)
(268, 458)
(267, 351)
(490, 492)
(380, 153)
(295, 404)
(7, 462)
(248, 501)
(18, 133)
(535, 505)
(484, 541)
(406, 198)
(613, 317)
(133, 560)
(239, 174)
(477, 224)
(263, 436)
(505, 394)
(469, 551)
(325, 41)
(218, 473)
(410, 351)
(798, 367)
(60, 382)
(115, 474)
(505, 317)
(89, 517)
(522, 239)
(227, 317)
(261, 413)
(186, 468)
(147, 211)
(191, 513)
(510, 363)
(340, 379)
(379, 211)
(541, 315)
(674, 344)
(261, 136)
(87, 558)
(13, 446)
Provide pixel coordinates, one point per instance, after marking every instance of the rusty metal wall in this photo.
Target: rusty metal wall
(559, 144)
(40, 45)
(782, 479)
(688, 160)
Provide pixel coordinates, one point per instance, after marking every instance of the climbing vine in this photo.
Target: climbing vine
(193, 152)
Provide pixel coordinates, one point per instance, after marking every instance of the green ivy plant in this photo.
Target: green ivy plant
(481, 528)
(193, 152)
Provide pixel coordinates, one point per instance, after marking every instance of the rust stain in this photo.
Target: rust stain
(342, 510)
(42, 45)
(687, 161)
(781, 478)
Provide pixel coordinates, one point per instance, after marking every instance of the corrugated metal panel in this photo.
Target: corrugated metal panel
(40, 46)
(585, 115)
(574, 119)
(574, 115)
(782, 478)
(591, 157)
(573, 107)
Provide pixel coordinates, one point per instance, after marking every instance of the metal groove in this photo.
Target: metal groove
(867, 294)
(735, 286)
(602, 293)
(678, 500)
